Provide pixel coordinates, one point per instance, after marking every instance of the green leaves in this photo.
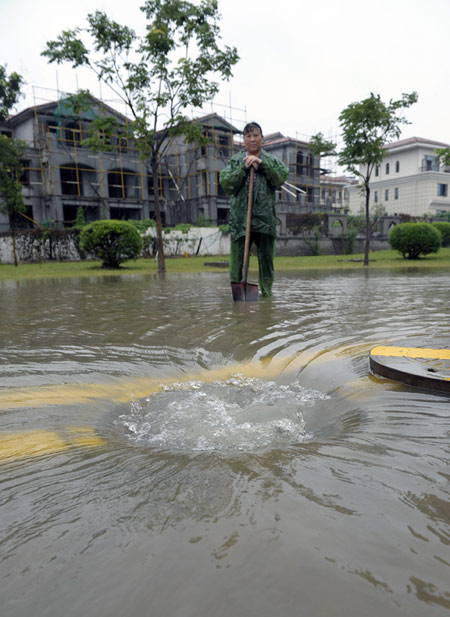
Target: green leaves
(443, 154)
(102, 129)
(321, 146)
(158, 75)
(10, 86)
(369, 124)
(176, 65)
(415, 239)
(111, 241)
(68, 47)
(11, 152)
(109, 35)
(366, 126)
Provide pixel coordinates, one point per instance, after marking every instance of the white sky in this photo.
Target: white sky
(302, 62)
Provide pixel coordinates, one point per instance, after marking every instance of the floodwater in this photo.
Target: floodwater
(167, 453)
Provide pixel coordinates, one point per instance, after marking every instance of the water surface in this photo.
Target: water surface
(166, 452)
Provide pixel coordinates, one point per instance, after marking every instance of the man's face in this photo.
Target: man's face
(253, 142)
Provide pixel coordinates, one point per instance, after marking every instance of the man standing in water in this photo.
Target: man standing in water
(270, 173)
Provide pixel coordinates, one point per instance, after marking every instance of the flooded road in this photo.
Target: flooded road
(166, 452)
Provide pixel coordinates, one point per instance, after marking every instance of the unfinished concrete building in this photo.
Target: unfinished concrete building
(61, 174)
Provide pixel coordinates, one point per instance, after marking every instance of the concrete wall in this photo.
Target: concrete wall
(35, 246)
(197, 241)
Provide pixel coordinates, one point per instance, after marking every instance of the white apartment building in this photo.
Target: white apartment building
(408, 181)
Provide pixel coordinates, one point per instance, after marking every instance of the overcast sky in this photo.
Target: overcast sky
(302, 62)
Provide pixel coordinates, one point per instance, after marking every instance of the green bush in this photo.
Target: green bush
(444, 228)
(111, 241)
(183, 227)
(304, 223)
(80, 219)
(415, 239)
(143, 225)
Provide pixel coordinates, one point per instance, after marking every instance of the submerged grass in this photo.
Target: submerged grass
(378, 260)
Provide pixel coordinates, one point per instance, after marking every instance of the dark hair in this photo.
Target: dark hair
(250, 126)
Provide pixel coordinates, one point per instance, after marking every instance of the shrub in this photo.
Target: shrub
(301, 224)
(111, 241)
(415, 239)
(143, 225)
(183, 227)
(80, 219)
(444, 228)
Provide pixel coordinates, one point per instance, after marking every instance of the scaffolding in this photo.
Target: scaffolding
(117, 182)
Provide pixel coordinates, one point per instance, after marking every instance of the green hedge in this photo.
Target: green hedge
(444, 228)
(111, 241)
(415, 239)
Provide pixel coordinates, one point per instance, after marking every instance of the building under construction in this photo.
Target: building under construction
(61, 174)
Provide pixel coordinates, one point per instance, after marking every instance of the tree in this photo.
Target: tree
(10, 86)
(158, 75)
(443, 156)
(111, 241)
(11, 152)
(415, 239)
(366, 127)
(321, 146)
(80, 219)
(444, 228)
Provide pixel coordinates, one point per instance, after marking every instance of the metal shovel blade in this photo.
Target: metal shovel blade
(244, 292)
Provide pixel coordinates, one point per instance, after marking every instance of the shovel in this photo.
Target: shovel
(243, 291)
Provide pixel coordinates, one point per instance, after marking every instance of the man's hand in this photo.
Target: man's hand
(252, 161)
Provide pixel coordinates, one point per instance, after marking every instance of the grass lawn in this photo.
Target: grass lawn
(379, 259)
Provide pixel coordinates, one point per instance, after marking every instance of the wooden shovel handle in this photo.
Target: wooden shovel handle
(248, 225)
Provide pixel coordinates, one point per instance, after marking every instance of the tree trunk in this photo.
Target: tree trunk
(368, 234)
(13, 236)
(159, 239)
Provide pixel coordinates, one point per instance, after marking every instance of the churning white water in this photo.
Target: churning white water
(237, 414)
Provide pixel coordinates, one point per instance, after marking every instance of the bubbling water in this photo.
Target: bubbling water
(239, 414)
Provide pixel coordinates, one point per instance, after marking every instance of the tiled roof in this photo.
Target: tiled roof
(415, 140)
(216, 120)
(278, 138)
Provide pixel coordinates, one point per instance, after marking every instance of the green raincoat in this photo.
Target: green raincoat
(269, 176)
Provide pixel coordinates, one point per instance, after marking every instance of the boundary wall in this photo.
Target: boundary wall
(62, 245)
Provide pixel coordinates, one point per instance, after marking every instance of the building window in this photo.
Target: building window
(25, 173)
(387, 169)
(70, 180)
(386, 195)
(116, 186)
(220, 191)
(377, 170)
(123, 184)
(224, 146)
(397, 166)
(301, 194)
(442, 190)
(310, 165)
(396, 193)
(376, 197)
(72, 134)
(204, 182)
(222, 216)
(300, 169)
(430, 163)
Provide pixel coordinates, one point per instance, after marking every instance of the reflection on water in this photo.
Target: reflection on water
(166, 452)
